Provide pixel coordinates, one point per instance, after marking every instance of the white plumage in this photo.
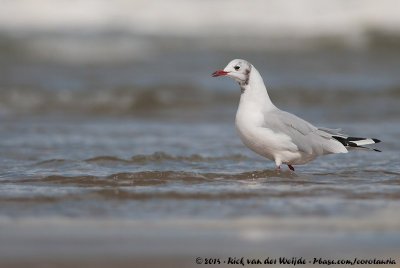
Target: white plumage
(278, 135)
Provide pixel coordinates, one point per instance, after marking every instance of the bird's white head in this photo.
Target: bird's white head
(238, 70)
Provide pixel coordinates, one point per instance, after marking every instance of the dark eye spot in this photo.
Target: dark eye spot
(237, 67)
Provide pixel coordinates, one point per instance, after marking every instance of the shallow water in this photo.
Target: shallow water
(143, 189)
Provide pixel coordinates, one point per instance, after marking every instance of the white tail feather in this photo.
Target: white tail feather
(364, 142)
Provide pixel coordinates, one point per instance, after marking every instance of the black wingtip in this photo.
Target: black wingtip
(341, 140)
(349, 142)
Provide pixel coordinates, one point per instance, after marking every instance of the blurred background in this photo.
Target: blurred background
(117, 147)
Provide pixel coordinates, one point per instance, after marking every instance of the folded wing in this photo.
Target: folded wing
(307, 138)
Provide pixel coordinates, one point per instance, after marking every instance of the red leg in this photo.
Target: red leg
(278, 168)
(291, 168)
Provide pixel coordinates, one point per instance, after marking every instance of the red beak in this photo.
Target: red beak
(219, 73)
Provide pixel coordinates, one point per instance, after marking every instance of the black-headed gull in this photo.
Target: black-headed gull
(278, 135)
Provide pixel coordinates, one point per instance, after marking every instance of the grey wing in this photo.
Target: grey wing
(308, 138)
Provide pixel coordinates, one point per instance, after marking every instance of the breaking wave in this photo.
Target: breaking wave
(161, 156)
(142, 159)
(94, 35)
(145, 178)
(255, 184)
(156, 100)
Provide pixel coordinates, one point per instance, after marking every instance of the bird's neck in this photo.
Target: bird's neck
(255, 94)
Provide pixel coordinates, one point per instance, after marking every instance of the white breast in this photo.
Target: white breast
(277, 147)
(249, 128)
